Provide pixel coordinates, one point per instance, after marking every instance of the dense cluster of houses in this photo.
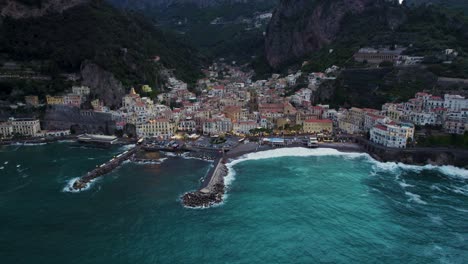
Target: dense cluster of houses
(230, 102)
(27, 127)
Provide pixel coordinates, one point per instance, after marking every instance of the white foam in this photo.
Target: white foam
(305, 152)
(1, 168)
(415, 198)
(69, 187)
(297, 152)
(6, 162)
(396, 167)
(126, 147)
(461, 190)
(436, 219)
(436, 188)
(17, 166)
(28, 144)
(404, 184)
(66, 141)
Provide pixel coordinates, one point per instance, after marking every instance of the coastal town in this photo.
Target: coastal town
(229, 113)
(228, 102)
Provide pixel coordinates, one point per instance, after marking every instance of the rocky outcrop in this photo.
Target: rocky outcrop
(299, 27)
(212, 193)
(103, 84)
(19, 9)
(167, 3)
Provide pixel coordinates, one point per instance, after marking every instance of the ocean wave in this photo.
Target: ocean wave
(380, 166)
(1, 168)
(460, 190)
(28, 144)
(398, 167)
(126, 147)
(415, 198)
(69, 186)
(66, 141)
(403, 184)
(297, 152)
(151, 162)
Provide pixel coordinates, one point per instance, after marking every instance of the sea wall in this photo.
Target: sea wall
(417, 156)
(212, 189)
(82, 121)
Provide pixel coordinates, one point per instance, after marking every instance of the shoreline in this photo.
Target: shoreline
(213, 187)
(206, 197)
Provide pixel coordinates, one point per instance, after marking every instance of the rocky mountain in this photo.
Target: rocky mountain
(231, 29)
(299, 27)
(35, 8)
(334, 29)
(454, 4)
(168, 3)
(110, 49)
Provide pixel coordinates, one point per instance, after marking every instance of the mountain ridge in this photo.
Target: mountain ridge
(36, 8)
(94, 33)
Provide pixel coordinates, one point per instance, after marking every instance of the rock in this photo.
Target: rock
(19, 9)
(103, 84)
(299, 27)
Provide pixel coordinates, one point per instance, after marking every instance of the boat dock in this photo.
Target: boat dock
(104, 168)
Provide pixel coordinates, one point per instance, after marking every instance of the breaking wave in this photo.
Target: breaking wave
(414, 198)
(394, 167)
(69, 186)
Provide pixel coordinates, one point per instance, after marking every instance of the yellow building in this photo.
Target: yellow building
(233, 113)
(55, 100)
(317, 125)
(163, 128)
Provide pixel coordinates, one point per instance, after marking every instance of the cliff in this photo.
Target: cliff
(109, 47)
(103, 84)
(167, 3)
(299, 27)
(30, 8)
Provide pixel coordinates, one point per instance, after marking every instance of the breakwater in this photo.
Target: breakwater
(212, 189)
(105, 168)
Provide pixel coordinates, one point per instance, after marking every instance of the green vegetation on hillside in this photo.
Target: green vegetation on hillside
(459, 141)
(426, 31)
(452, 4)
(229, 38)
(123, 43)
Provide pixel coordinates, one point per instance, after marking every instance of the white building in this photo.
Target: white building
(392, 135)
(455, 102)
(25, 127)
(81, 90)
(244, 127)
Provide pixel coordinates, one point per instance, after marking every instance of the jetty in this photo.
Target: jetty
(212, 189)
(105, 168)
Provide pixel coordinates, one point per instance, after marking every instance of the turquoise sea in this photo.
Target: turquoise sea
(282, 206)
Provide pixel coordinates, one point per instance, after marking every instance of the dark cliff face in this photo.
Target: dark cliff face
(31, 8)
(168, 3)
(302, 26)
